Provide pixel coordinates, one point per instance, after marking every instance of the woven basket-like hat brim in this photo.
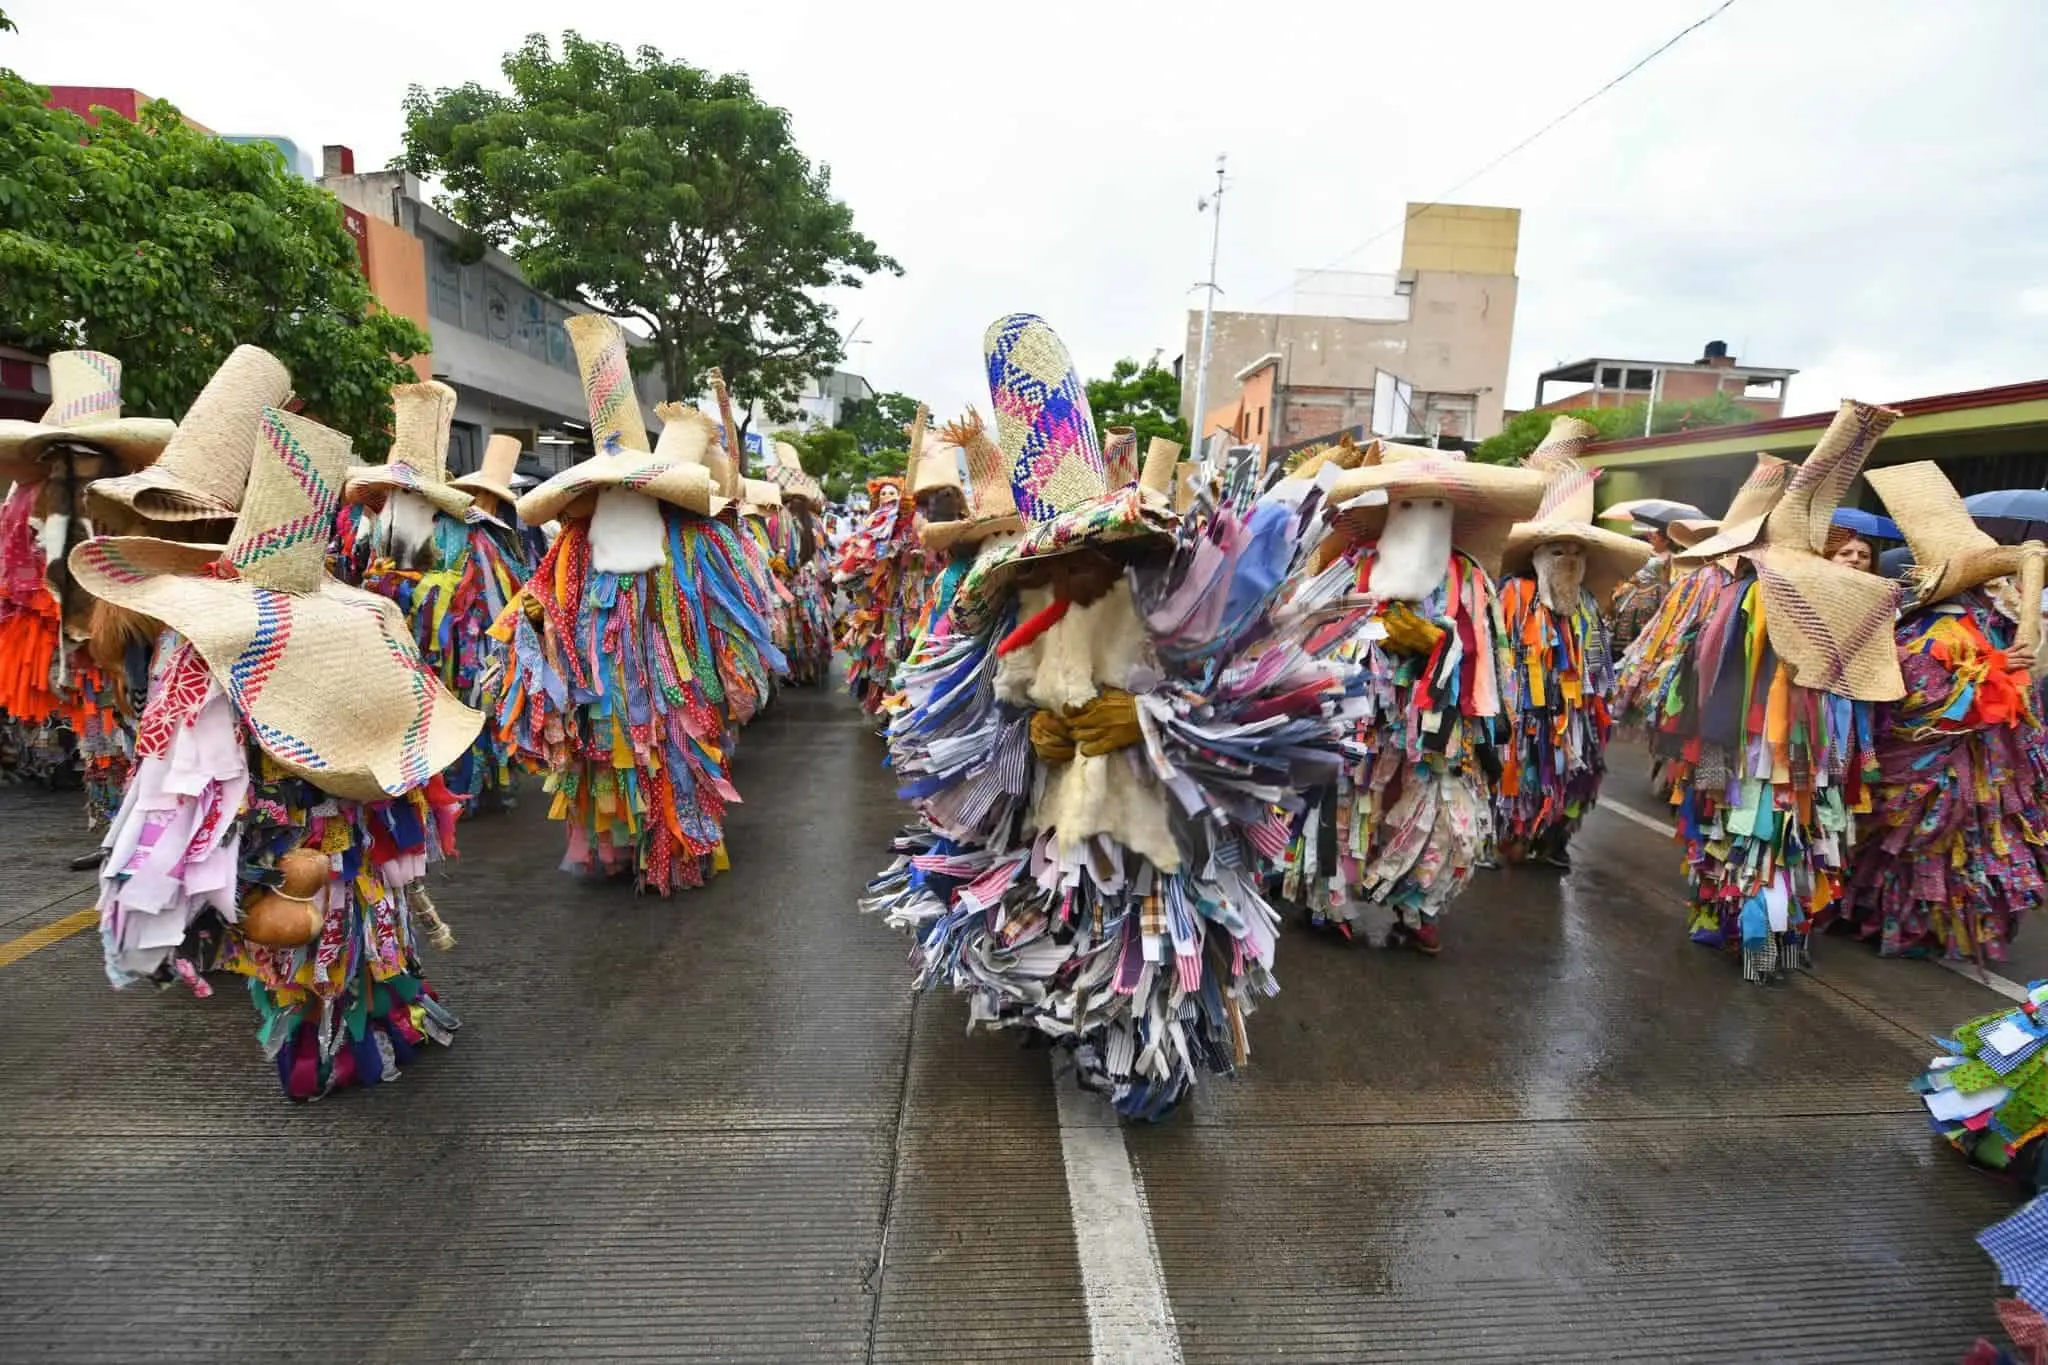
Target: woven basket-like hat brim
(204, 467)
(940, 536)
(476, 483)
(684, 485)
(1487, 500)
(1611, 557)
(1123, 515)
(1730, 539)
(134, 441)
(372, 483)
(330, 681)
(1951, 552)
(1831, 624)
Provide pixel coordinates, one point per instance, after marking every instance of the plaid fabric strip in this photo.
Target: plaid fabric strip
(2019, 1245)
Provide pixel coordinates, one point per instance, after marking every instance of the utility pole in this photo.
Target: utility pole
(1212, 204)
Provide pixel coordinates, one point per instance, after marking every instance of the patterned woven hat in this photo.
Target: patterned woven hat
(418, 463)
(1120, 455)
(1566, 514)
(788, 470)
(1705, 541)
(1830, 623)
(1058, 475)
(204, 468)
(991, 505)
(85, 406)
(326, 675)
(494, 477)
(1951, 552)
(623, 459)
(1486, 499)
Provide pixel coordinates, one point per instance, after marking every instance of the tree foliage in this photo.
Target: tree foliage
(1525, 430)
(655, 191)
(1145, 397)
(167, 248)
(878, 422)
(835, 457)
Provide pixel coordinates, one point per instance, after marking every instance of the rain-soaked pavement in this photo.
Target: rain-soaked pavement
(719, 1128)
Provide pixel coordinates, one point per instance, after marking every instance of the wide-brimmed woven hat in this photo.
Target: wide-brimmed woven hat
(1486, 499)
(991, 504)
(759, 497)
(493, 478)
(1058, 476)
(204, 468)
(623, 459)
(85, 407)
(1951, 552)
(1830, 623)
(787, 469)
(327, 676)
(1566, 514)
(421, 416)
(1703, 541)
(1120, 455)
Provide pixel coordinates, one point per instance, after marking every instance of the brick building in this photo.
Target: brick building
(1603, 382)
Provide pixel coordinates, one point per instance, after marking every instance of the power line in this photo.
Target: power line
(1673, 41)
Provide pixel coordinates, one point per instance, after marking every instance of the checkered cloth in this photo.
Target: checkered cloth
(2019, 1246)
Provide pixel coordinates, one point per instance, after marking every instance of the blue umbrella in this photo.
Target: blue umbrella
(1867, 523)
(1894, 562)
(2011, 514)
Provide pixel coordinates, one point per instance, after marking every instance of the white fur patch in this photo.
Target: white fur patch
(626, 532)
(408, 525)
(56, 530)
(1414, 549)
(1560, 575)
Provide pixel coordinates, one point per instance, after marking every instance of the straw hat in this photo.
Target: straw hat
(1155, 480)
(1486, 499)
(759, 497)
(1187, 481)
(85, 406)
(1345, 455)
(1704, 541)
(1058, 475)
(991, 504)
(327, 675)
(204, 467)
(1120, 455)
(1951, 553)
(418, 463)
(938, 467)
(623, 459)
(787, 469)
(494, 477)
(1830, 623)
(1567, 514)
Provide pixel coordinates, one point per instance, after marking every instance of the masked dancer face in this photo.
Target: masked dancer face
(1414, 549)
(1560, 575)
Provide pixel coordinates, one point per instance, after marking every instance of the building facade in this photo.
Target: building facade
(1421, 353)
(1602, 382)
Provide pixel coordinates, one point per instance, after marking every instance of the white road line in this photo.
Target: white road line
(1130, 1321)
(1990, 980)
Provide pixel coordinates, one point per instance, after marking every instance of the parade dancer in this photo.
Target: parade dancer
(64, 713)
(1557, 570)
(1100, 758)
(953, 543)
(1956, 850)
(802, 567)
(882, 570)
(1771, 753)
(286, 794)
(616, 683)
(1419, 535)
(446, 566)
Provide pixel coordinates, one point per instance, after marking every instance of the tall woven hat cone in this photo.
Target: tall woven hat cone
(1120, 455)
(1738, 528)
(421, 417)
(1058, 475)
(85, 407)
(1187, 480)
(203, 470)
(1831, 624)
(1567, 439)
(1566, 514)
(1951, 553)
(327, 676)
(938, 466)
(788, 470)
(622, 458)
(1486, 499)
(1156, 475)
(493, 478)
(991, 505)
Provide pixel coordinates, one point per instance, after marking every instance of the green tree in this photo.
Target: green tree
(655, 191)
(168, 247)
(834, 456)
(878, 422)
(1144, 397)
(6, 24)
(1525, 430)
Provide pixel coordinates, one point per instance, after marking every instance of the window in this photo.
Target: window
(1262, 423)
(1639, 380)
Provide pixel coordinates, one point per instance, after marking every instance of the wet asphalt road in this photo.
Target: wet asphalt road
(719, 1128)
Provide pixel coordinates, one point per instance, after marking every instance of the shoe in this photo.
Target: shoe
(1557, 858)
(1421, 938)
(88, 861)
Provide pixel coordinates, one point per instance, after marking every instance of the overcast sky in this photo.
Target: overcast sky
(1855, 189)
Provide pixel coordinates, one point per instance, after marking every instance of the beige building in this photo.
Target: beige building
(1419, 353)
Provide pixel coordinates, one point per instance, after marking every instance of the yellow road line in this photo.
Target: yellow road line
(15, 949)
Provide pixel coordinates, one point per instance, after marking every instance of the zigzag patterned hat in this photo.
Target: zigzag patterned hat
(326, 676)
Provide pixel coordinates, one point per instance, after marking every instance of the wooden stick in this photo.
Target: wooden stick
(732, 432)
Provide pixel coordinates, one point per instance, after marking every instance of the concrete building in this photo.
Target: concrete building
(1419, 353)
(1602, 382)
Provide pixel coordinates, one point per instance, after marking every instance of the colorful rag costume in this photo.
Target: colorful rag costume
(882, 569)
(1561, 566)
(801, 564)
(1103, 783)
(1771, 756)
(285, 801)
(62, 713)
(1414, 621)
(638, 648)
(1957, 849)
